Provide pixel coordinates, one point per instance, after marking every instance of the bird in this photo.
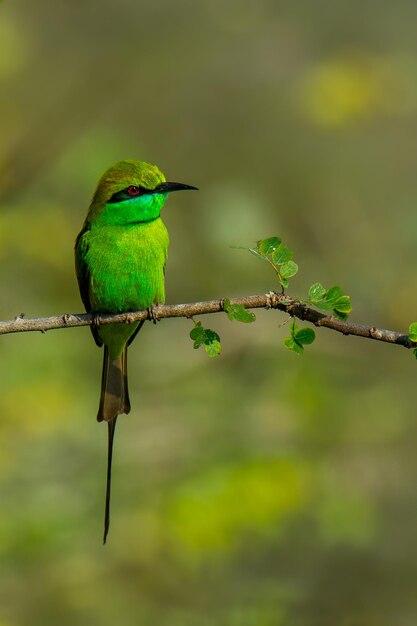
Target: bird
(120, 258)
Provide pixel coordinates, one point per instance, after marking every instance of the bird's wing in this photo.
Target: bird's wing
(83, 274)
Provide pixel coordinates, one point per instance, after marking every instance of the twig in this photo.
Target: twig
(269, 301)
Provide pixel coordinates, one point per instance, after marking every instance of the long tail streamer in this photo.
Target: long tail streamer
(111, 428)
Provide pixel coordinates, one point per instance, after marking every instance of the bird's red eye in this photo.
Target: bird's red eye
(133, 190)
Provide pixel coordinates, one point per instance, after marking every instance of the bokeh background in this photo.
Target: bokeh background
(258, 488)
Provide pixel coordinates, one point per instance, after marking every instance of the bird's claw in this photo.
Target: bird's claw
(152, 316)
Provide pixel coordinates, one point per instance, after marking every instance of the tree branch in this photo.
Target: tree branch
(268, 301)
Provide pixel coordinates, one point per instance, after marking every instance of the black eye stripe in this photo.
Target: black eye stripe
(124, 194)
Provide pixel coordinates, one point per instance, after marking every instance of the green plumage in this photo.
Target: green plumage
(120, 257)
(129, 277)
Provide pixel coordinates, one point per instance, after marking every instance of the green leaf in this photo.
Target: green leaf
(198, 335)
(228, 309)
(341, 316)
(243, 315)
(412, 331)
(316, 292)
(267, 246)
(196, 331)
(213, 348)
(255, 253)
(238, 312)
(293, 345)
(342, 305)
(332, 295)
(281, 255)
(288, 269)
(284, 282)
(304, 336)
(299, 338)
(323, 304)
(330, 300)
(210, 336)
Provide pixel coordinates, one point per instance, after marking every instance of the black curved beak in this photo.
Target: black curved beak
(168, 187)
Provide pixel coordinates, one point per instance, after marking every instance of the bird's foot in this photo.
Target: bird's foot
(96, 320)
(152, 315)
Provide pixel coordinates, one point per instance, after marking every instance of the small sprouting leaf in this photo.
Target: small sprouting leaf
(212, 343)
(288, 269)
(412, 331)
(227, 306)
(305, 336)
(196, 331)
(267, 246)
(293, 345)
(197, 334)
(238, 312)
(342, 305)
(207, 337)
(281, 255)
(316, 292)
(341, 316)
(299, 338)
(213, 348)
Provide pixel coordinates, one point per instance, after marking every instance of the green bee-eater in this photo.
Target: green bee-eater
(120, 257)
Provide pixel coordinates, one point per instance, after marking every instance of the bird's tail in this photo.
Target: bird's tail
(114, 400)
(111, 428)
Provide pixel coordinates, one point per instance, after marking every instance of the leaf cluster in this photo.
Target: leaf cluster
(299, 338)
(207, 338)
(238, 312)
(278, 256)
(331, 299)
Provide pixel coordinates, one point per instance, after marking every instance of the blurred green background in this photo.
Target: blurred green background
(258, 488)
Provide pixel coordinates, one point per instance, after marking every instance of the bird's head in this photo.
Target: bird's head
(131, 192)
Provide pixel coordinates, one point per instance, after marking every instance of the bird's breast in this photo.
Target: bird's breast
(126, 266)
